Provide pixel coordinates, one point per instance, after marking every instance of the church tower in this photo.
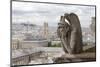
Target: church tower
(46, 30)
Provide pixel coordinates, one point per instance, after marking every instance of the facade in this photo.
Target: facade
(46, 30)
(93, 24)
(32, 44)
(15, 44)
(93, 19)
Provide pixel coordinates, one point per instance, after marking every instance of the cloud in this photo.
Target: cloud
(38, 13)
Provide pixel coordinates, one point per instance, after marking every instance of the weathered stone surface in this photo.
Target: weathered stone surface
(76, 58)
(89, 54)
(70, 33)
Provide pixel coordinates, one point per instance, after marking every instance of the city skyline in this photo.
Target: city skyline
(38, 13)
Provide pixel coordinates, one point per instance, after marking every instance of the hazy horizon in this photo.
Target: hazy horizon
(38, 13)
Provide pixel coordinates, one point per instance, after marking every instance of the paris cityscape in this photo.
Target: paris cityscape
(36, 41)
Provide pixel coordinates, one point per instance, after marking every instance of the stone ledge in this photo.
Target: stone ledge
(82, 55)
(69, 58)
(88, 54)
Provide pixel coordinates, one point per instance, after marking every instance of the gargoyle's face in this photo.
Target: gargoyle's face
(72, 18)
(63, 29)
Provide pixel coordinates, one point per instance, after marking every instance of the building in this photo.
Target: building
(45, 30)
(93, 27)
(15, 44)
(32, 44)
(93, 19)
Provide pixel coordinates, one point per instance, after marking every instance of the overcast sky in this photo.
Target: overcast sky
(38, 13)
